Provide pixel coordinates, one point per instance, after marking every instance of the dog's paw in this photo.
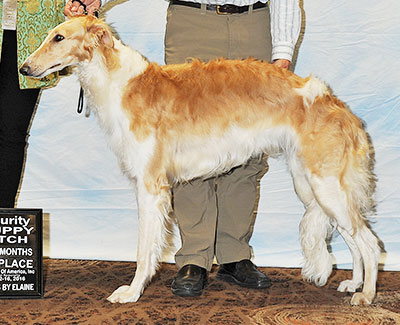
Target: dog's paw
(123, 295)
(349, 286)
(360, 298)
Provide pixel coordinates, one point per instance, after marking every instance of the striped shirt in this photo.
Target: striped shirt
(9, 20)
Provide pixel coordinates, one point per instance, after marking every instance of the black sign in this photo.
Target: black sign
(21, 255)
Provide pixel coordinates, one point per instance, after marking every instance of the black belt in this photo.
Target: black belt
(220, 9)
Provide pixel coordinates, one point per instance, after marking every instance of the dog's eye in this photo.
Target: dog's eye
(58, 38)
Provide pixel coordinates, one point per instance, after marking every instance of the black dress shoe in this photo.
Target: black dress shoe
(190, 281)
(243, 273)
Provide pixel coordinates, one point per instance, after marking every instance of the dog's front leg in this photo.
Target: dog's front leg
(153, 211)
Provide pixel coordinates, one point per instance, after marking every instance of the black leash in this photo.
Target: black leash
(80, 101)
(81, 92)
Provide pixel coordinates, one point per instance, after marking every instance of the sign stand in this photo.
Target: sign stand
(21, 253)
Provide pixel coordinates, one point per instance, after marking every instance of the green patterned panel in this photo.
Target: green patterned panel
(34, 19)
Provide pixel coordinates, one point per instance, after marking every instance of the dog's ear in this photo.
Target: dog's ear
(103, 34)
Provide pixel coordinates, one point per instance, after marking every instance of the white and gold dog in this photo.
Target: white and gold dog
(174, 123)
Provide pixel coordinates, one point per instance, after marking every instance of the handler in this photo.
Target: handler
(216, 215)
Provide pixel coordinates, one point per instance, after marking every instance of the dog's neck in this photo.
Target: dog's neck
(104, 77)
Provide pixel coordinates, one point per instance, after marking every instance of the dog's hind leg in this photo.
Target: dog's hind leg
(336, 203)
(370, 251)
(315, 228)
(153, 213)
(315, 218)
(357, 280)
(365, 252)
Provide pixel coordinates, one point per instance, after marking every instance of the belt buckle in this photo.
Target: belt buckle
(221, 12)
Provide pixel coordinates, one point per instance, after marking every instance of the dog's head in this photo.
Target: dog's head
(68, 44)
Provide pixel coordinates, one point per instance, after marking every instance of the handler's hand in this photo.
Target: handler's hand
(282, 63)
(74, 8)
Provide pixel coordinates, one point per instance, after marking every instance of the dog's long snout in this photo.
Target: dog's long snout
(25, 70)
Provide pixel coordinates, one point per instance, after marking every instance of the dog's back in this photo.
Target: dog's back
(242, 101)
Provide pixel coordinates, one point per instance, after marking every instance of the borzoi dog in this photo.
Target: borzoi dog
(174, 123)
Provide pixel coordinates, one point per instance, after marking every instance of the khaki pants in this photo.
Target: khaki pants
(216, 215)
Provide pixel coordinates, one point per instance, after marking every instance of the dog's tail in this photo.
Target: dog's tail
(357, 176)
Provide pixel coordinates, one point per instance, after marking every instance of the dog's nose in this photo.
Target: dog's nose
(25, 70)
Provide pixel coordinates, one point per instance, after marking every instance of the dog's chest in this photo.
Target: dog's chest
(132, 155)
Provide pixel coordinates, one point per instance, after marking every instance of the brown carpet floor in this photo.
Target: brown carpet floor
(75, 293)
